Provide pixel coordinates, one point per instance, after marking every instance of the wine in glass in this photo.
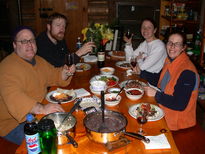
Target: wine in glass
(133, 61)
(128, 34)
(142, 119)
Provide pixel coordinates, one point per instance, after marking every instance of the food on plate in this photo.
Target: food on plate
(62, 95)
(118, 53)
(133, 84)
(149, 108)
(82, 67)
(126, 64)
(110, 81)
(90, 102)
(111, 99)
(107, 70)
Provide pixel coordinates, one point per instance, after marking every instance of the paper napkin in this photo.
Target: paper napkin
(157, 142)
(81, 92)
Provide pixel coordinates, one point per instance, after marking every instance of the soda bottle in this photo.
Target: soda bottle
(48, 136)
(78, 43)
(31, 135)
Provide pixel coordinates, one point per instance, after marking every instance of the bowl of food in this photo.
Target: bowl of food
(107, 70)
(98, 85)
(134, 93)
(112, 100)
(114, 90)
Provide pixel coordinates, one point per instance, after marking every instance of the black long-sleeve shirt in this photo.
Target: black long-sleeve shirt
(53, 53)
(182, 92)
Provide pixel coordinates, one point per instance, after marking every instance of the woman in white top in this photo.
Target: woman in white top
(150, 54)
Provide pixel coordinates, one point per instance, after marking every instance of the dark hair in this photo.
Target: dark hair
(56, 16)
(181, 34)
(20, 28)
(150, 20)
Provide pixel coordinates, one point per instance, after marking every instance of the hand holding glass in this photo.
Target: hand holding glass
(69, 61)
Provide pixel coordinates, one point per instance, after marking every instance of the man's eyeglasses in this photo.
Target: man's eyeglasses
(176, 44)
(27, 41)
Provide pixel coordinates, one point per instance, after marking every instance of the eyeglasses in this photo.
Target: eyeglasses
(176, 44)
(27, 41)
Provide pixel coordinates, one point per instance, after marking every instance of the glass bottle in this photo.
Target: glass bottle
(48, 136)
(101, 57)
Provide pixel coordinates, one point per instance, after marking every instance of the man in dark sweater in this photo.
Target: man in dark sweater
(52, 45)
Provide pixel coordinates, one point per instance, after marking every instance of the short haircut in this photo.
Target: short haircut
(20, 28)
(150, 20)
(181, 34)
(56, 16)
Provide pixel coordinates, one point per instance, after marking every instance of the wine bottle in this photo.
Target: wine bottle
(101, 57)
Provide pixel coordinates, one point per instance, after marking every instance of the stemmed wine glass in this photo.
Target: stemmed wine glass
(142, 119)
(69, 60)
(133, 61)
(128, 34)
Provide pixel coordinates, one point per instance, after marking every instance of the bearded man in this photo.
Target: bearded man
(52, 45)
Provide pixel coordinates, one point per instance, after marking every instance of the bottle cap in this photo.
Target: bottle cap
(46, 124)
(29, 117)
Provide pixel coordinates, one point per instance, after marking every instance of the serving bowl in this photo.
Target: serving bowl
(112, 100)
(107, 70)
(114, 90)
(98, 86)
(134, 93)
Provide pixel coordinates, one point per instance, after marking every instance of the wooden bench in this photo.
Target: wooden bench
(191, 140)
(7, 147)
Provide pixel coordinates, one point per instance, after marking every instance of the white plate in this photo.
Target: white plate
(115, 56)
(134, 113)
(122, 84)
(97, 77)
(90, 102)
(56, 102)
(119, 63)
(84, 66)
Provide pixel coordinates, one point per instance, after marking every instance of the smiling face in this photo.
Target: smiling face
(148, 30)
(25, 45)
(57, 28)
(175, 45)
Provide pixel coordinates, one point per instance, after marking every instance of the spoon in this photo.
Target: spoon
(119, 92)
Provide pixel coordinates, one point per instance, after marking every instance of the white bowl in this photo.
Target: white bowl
(107, 70)
(109, 99)
(134, 96)
(98, 85)
(114, 90)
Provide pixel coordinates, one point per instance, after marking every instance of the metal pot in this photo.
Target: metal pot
(115, 124)
(67, 131)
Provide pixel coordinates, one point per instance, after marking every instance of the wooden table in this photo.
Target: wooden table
(81, 80)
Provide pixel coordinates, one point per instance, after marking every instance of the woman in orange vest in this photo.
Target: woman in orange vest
(178, 85)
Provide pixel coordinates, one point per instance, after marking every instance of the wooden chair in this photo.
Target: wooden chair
(191, 140)
(7, 147)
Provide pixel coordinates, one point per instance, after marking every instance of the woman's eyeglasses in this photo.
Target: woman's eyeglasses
(27, 41)
(176, 44)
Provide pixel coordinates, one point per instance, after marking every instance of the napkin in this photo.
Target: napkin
(81, 92)
(90, 58)
(157, 142)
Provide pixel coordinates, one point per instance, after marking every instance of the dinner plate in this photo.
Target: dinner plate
(123, 64)
(62, 91)
(80, 67)
(157, 116)
(99, 77)
(120, 55)
(123, 83)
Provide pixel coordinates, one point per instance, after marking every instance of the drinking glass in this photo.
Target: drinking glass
(128, 34)
(69, 60)
(91, 39)
(142, 119)
(133, 61)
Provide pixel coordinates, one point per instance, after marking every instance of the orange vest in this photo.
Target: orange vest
(179, 119)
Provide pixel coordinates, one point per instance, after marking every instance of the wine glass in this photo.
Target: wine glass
(69, 60)
(133, 61)
(91, 39)
(128, 34)
(142, 119)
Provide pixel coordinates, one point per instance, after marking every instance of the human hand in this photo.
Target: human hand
(150, 91)
(50, 108)
(128, 41)
(68, 71)
(136, 69)
(86, 48)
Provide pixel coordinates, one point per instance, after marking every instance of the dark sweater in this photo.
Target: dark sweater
(182, 92)
(53, 53)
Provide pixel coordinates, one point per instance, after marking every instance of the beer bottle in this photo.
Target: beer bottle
(31, 135)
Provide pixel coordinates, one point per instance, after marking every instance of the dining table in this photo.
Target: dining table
(133, 145)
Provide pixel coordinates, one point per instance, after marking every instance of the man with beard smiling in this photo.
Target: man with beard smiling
(52, 45)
